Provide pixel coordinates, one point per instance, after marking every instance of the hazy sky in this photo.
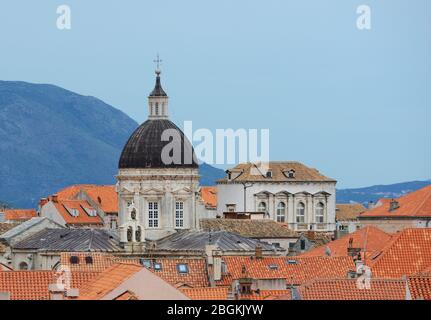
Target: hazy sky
(354, 104)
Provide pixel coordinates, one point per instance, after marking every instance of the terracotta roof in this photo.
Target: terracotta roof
(70, 192)
(107, 281)
(209, 196)
(251, 172)
(82, 262)
(34, 285)
(264, 228)
(105, 196)
(266, 295)
(82, 218)
(196, 276)
(295, 270)
(19, 214)
(415, 204)
(347, 289)
(408, 253)
(215, 293)
(348, 211)
(420, 287)
(369, 239)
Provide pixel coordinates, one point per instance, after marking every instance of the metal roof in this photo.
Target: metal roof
(196, 241)
(18, 229)
(71, 240)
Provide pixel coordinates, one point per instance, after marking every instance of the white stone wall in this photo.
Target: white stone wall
(50, 211)
(291, 193)
(164, 186)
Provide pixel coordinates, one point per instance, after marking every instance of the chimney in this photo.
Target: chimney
(393, 205)
(209, 249)
(42, 202)
(72, 293)
(56, 291)
(217, 266)
(259, 254)
(54, 197)
(370, 205)
(4, 296)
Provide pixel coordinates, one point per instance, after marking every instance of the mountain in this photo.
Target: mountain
(374, 193)
(51, 138)
(209, 174)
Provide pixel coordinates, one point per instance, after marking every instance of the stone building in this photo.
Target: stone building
(158, 178)
(288, 192)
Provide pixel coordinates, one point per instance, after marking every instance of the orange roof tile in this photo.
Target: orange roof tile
(196, 276)
(408, 253)
(20, 214)
(296, 270)
(34, 285)
(266, 295)
(209, 196)
(420, 287)
(108, 280)
(105, 196)
(347, 289)
(370, 239)
(208, 293)
(415, 204)
(80, 205)
(99, 261)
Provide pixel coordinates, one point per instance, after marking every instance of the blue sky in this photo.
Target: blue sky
(354, 104)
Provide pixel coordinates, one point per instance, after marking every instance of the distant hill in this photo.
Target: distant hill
(374, 193)
(51, 138)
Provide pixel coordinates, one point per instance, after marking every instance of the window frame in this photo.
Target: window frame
(281, 215)
(300, 208)
(179, 214)
(153, 220)
(320, 207)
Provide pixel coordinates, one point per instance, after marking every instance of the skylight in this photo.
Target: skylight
(182, 268)
(157, 266)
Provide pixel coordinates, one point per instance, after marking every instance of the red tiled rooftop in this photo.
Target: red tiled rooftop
(215, 293)
(415, 204)
(369, 239)
(209, 196)
(82, 218)
(296, 270)
(20, 214)
(34, 285)
(347, 289)
(408, 253)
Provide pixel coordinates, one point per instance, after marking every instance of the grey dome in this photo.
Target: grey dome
(144, 147)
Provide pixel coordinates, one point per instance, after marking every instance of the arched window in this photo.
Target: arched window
(133, 214)
(23, 266)
(262, 207)
(129, 234)
(320, 212)
(157, 108)
(300, 212)
(281, 212)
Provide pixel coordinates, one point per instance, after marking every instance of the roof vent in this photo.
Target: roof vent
(393, 205)
(74, 259)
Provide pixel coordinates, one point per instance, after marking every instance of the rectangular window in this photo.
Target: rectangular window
(179, 214)
(153, 214)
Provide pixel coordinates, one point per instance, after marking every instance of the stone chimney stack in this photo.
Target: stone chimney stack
(56, 291)
(393, 205)
(4, 296)
(259, 253)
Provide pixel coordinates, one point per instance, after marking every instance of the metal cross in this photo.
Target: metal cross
(158, 61)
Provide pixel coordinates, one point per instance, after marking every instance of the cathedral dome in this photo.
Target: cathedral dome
(144, 147)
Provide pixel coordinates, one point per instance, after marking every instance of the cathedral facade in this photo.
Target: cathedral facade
(158, 178)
